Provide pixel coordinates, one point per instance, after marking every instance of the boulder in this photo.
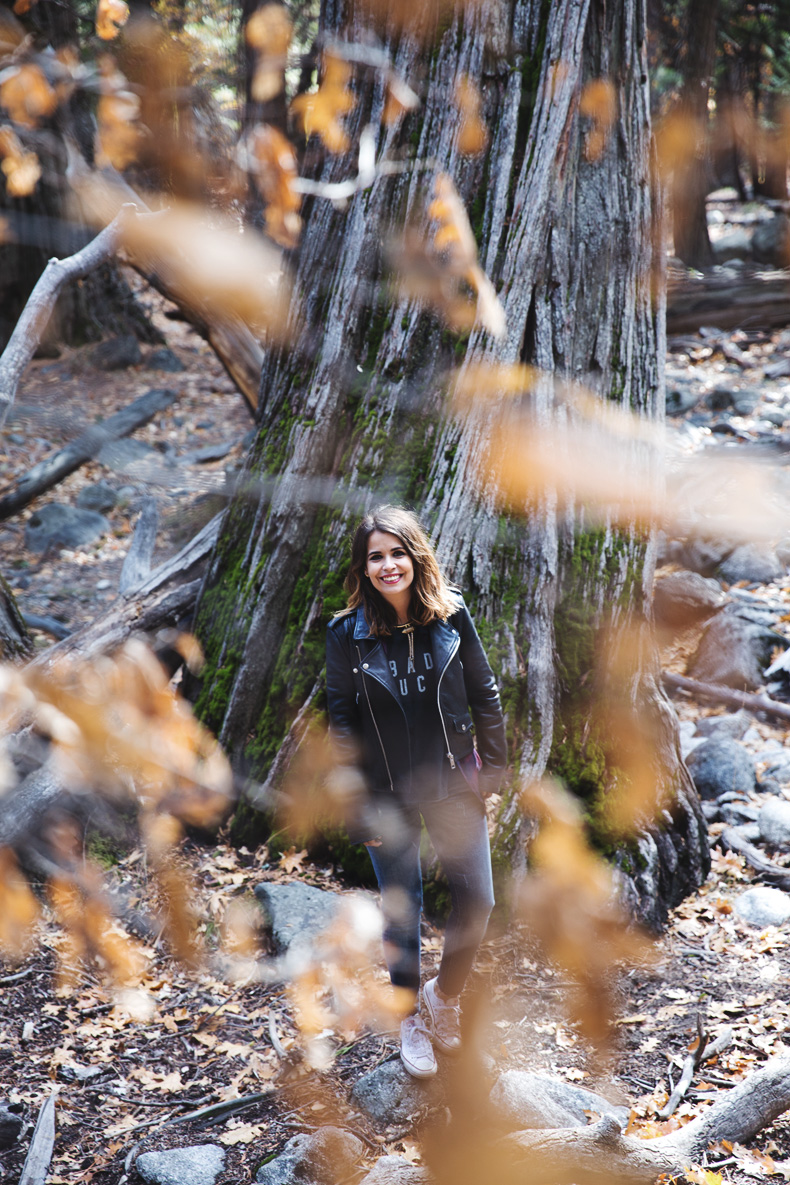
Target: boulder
(771, 241)
(737, 244)
(323, 1158)
(774, 822)
(199, 1164)
(682, 598)
(745, 402)
(525, 1100)
(733, 652)
(296, 913)
(733, 725)
(703, 555)
(763, 907)
(681, 397)
(388, 1095)
(116, 353)
(57, 525)
(777, 768)
(749, 562)
(10, 1127)
(721, 765)
(99, 497)
(164, 359)
(395, 1170)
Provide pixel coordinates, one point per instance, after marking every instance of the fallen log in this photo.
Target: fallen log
(164, 598)
(601, 1154)
(727, 695)
(731, 841)
(60, 464)
(761, 299)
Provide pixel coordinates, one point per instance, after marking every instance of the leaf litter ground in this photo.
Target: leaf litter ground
(125, 1070)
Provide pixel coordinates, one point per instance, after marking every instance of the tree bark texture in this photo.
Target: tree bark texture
(571, 242)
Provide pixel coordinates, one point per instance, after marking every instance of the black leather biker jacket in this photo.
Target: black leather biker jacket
(367, 721)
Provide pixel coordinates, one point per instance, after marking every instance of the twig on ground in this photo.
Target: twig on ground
(706, 1049)
(6, 979)
(274, 1037)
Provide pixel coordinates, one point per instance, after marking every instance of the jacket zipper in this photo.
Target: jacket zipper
(373, 718)
(438, 701)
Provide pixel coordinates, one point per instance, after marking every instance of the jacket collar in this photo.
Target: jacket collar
(443, 636)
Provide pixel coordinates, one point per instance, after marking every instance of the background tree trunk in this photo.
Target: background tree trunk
(573, 246)
(691, 180)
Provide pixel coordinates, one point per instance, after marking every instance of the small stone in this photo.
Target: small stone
(100, 497)
(395, 1170)
(682, 598)
(752, 563)
(745, 402)
(204, 424)
(763, 907)
(681, 397)
(164, 359)
(56, 525)
(200, 1164)
(324, 1158)
(720, 398)
(101, 585)
(774, 821)
(775, 416)
(732, 725)
(771, 241)
(117, 353)
(720, 765)
(388, 1095)
(297, 913)
(10, 1127)
(778, 767)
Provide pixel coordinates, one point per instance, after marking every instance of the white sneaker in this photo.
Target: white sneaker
(444, 1018)
(416, 1051)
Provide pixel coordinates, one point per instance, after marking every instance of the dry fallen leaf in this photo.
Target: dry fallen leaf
(292, 861)
(21, 167)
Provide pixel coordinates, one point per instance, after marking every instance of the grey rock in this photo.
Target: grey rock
(749, 831)
(688, 741)
(763, 907)
(774, 415)
(99, 497)
(681, 397)
(211, 452)
(395, 1170)
(782, 550)
(681, 598)
(388, 1095)
(56, 525)
(297, 913)
(733, 652)
(10, 1127)
(704, 555)
(524, 1100)
(774, 821)
(121, 454)
(759, 614)
(769, 785)
(200, 1164)
(720, 398)
(771, 241)
(117, 353)
(778, 767)
(720, 765)
(737, 244)
(164, 359)
(752, 563)
(324, 1158)
(738, 813)
(731, 725)
(745, 402)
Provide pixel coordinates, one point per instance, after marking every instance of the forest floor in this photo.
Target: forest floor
(126, 1069)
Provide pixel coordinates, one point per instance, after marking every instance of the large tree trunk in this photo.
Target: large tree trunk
(571, 240)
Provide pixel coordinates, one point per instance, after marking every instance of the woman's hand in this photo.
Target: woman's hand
(373, 843)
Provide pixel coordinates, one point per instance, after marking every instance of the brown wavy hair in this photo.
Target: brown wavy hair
(431, 593)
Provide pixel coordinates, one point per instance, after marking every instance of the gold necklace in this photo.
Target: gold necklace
(408, 630)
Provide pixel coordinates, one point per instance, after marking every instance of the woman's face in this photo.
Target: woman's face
(389, 567)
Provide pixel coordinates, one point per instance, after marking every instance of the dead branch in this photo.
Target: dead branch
(24, 341)
(58, 465)
(705, 1050)
(762, 299)
(731, 841)
(727, 695)
(137, 565)
(41, 1146)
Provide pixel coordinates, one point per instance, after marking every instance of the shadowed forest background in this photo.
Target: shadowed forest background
(442, 255)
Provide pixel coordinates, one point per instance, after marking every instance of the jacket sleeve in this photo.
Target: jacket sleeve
(482, 695)
(345, 725)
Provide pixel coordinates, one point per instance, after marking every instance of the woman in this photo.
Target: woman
(413, 701)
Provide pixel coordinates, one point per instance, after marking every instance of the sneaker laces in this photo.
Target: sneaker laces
(418, 1033)
(447, 1017)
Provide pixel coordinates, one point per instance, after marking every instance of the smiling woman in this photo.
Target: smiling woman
(413, 702)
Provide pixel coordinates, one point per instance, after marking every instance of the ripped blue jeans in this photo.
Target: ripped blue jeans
(459, 833)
